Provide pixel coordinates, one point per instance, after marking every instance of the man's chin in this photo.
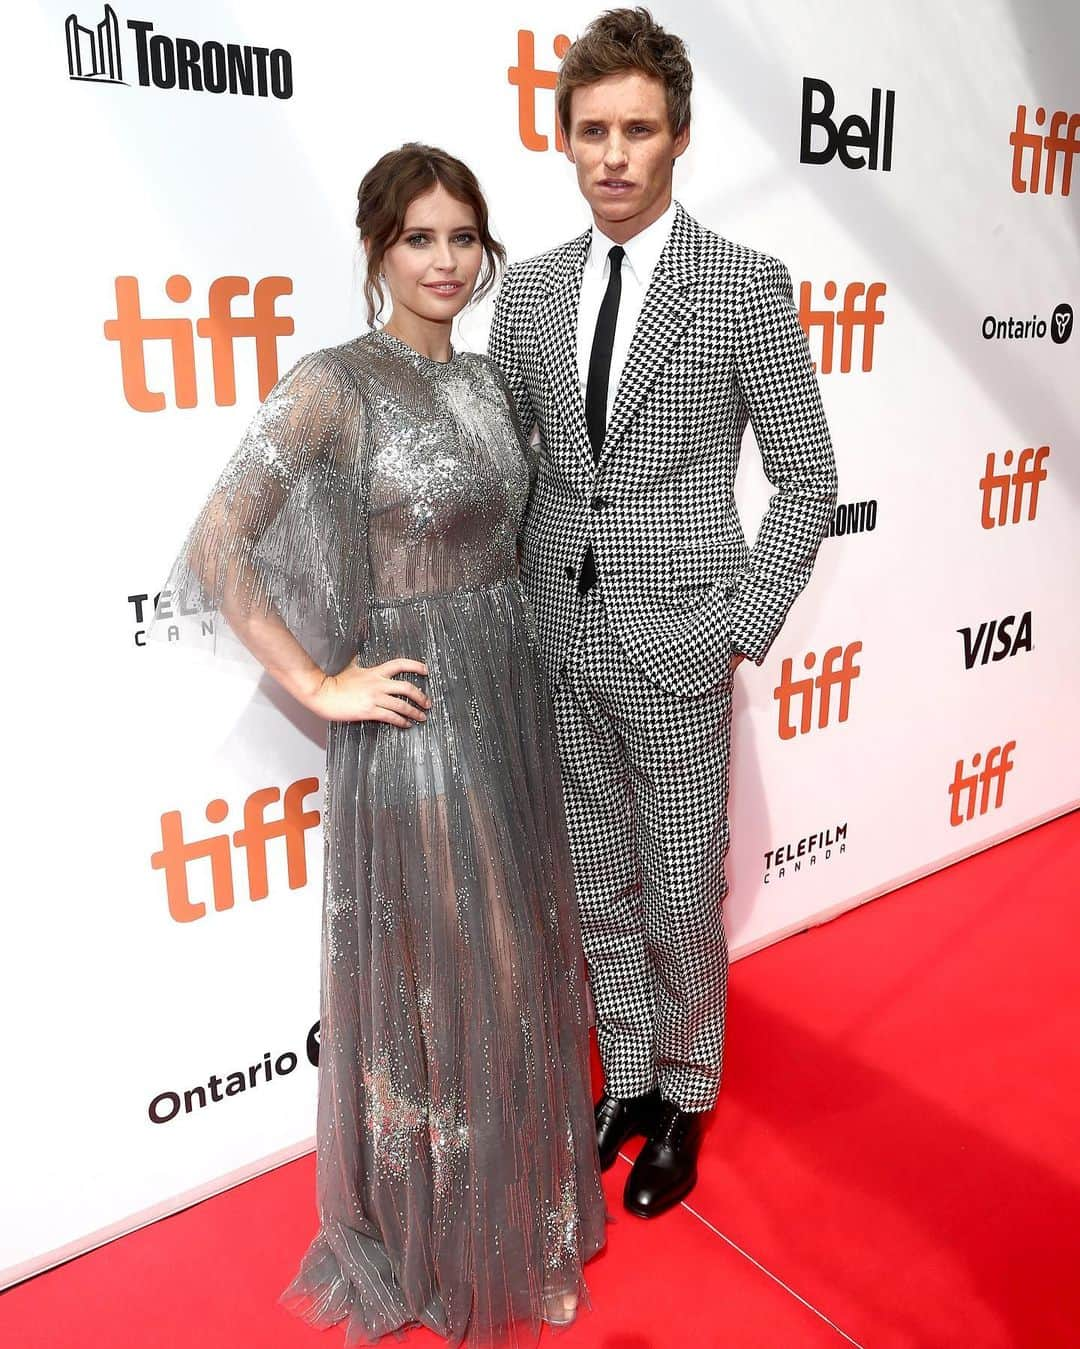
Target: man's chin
(616, 208)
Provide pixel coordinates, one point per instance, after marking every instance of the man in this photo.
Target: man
(640, 350)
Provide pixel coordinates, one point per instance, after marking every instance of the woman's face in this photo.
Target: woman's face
(432, 267)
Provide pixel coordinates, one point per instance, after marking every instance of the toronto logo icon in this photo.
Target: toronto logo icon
(162, 62)
(94, 53)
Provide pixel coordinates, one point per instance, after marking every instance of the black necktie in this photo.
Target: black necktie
(596, 386)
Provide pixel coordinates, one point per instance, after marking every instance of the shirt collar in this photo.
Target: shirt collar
(642, 251)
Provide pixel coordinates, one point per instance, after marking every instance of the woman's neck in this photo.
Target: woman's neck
(429, 338)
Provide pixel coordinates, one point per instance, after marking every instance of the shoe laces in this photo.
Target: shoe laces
(674, 1125)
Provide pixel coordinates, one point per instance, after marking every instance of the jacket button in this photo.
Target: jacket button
(598, 503)
(570, 572)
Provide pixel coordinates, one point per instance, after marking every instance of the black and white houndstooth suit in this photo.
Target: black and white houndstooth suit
(640, 667)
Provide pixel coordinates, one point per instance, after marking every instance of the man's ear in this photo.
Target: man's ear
(566, 145)
(682, 140)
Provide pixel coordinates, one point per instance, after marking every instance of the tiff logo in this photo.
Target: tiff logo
(1008, 643)
(969, 792)
(94, 53)
(832, 676)
(1023, 482)
(853, 134)
(858, 311)
(176, 851)
(220, 326)
(1062, 140)
(527, 80)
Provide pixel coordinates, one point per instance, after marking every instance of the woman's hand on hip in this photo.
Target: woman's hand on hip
(362, 693)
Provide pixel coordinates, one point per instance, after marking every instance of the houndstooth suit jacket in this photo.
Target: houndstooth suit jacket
(718, 343)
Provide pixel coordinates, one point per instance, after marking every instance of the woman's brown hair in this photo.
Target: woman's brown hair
(621, 40)
(388, 189)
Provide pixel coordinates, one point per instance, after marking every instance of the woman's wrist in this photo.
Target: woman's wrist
(304, 685)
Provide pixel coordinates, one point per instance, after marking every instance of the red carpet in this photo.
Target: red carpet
(893, 1161)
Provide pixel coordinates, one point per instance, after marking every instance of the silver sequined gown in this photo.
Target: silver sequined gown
(375, 503)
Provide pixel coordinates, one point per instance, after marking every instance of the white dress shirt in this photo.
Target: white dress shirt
(642, 254)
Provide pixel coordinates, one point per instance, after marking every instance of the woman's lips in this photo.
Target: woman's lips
(443, 287)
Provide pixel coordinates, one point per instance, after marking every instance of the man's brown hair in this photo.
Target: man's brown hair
(389, 188)
(621, 40)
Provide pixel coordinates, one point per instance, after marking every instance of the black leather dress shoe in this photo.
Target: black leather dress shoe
(666, 1169)
(617, 1120)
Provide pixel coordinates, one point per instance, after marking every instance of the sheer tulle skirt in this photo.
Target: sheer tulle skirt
(458, 1183)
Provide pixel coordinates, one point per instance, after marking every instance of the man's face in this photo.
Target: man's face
(621, 143)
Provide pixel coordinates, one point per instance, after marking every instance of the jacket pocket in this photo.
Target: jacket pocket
(701, 568)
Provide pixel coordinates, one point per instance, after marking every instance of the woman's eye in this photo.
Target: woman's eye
(465, 238)
(414, 239)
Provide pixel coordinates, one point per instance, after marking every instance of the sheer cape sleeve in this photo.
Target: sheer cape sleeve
(284, 530)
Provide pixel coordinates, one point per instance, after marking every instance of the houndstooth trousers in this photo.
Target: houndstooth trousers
(645, 774)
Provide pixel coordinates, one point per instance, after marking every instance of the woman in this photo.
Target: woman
(362, 544)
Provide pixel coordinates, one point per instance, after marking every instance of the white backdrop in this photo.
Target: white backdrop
(110, 1001)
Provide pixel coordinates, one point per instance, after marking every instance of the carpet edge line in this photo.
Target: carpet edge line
(768, 1272)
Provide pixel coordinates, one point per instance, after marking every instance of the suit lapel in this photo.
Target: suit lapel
(556, 326)
(668, 307)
